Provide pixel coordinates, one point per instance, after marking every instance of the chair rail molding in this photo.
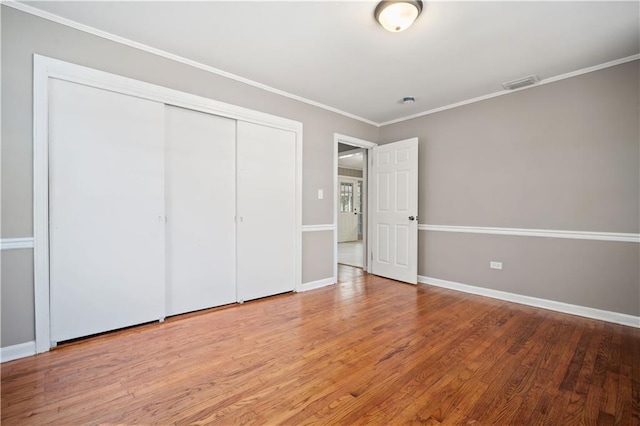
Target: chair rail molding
(318, 228)
(546, 233)
(16, 243)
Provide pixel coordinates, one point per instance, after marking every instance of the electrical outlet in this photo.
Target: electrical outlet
(495, 265)
(320, 194)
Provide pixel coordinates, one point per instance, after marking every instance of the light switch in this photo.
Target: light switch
(320, 194)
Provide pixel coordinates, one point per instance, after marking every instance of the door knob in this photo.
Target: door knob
(412, 218)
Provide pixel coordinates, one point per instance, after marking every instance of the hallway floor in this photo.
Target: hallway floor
(351, 253)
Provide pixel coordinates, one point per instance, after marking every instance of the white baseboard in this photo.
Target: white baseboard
(317, 284)
(21, 350)
(583, 311)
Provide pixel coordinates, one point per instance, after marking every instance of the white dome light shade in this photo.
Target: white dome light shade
(396, 16)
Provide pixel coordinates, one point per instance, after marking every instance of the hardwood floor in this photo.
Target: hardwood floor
(366, 351)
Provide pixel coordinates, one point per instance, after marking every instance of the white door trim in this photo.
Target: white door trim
(44, 69)
(361, 143)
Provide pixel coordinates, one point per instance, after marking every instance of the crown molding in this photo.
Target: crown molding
(506, 92)
(112, 37)
(159, 52)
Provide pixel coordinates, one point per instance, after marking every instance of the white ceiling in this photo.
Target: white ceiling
(334, 53)
(351, 160)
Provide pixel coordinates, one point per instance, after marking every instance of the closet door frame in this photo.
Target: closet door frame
(44, 70)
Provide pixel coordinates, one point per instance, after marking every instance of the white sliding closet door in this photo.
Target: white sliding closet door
(266, 211)
(201, 198)
(106, 210)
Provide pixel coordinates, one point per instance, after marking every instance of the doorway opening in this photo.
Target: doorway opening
(351, 205)
(351, 202)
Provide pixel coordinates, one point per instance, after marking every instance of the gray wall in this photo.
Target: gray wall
(24, 34)
(561, 156)
(317, 256)
(17, 305)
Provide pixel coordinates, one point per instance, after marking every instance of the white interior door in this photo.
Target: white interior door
(394, 213)
(266, 229)
(106, 210)
(348, 205)
(201, 205)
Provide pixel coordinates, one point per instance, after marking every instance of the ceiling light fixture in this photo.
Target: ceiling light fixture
(396, 16)
(408, 100)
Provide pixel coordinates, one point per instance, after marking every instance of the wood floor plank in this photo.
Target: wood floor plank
(526, 383)
(436, 401)
(436, 343)
(554, 415)
(544, 366)
(365, 351)
(571, 376)
(634, 343)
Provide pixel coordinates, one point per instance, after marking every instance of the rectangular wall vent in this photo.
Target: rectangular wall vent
(521, 82)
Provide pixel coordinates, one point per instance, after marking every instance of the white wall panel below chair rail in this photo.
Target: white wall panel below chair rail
(546, 233)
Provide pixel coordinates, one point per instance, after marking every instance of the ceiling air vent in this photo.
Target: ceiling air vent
(521, 82)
